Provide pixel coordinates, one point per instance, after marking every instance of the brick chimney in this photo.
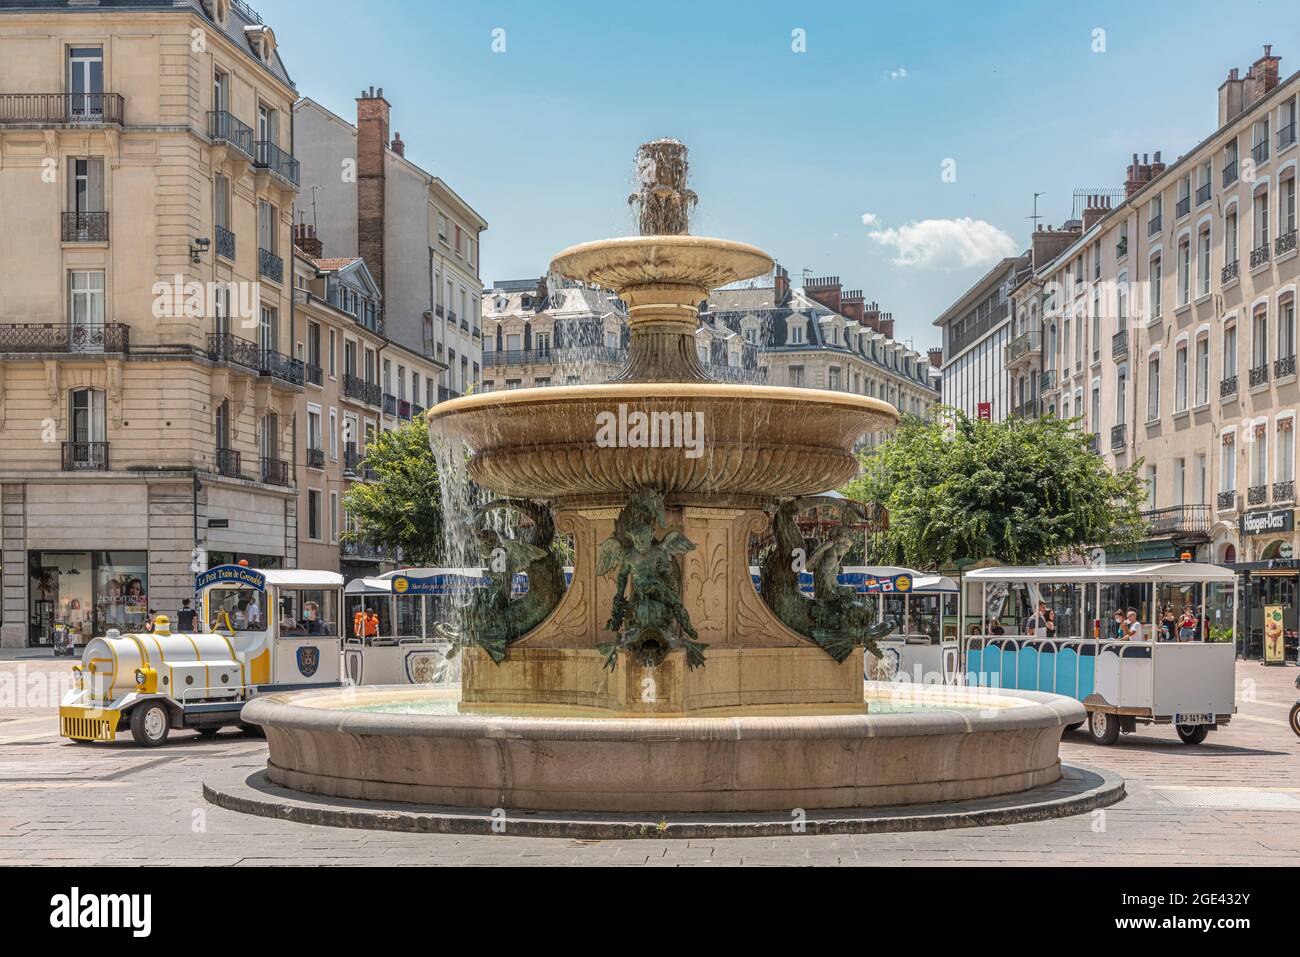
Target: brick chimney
(853, 305)
(373, 112)
(1139, 174)
(887, 324)
(1261, 78)
(1094, 210)
(936, 356)
(1231, 97)
(871, 316)
(398, 146)
(825, 290)
(781, 286)
(1046, 244)
(304, 237)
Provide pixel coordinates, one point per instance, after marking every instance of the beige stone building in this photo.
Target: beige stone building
(1168, 325)
(147, 383)
(358, 383)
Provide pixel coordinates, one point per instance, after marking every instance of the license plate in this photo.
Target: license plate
(1193, 718)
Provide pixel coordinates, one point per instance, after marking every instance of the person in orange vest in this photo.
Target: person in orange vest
(359, 623)
(372, 624)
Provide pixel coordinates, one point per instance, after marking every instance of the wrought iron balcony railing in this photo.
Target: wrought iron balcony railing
(351, 458)
(1048, 382)
(1284, 367)
(1153, 225)
(1257, 495)
(1259, 152)
(1202, 194)
(313, 374)
(1227, 501)
(1259, 255)
(225, 347)
(1230, 173)
(85, 456)
(275, 472)
(1183, 207)
(446, 395)
(1118, 437)
(225, 243)
(230, 463)
(390, 404)
(1178, 520)
(85, 227)
(363, 551)
(1229, 272)
(1228, 387)
(267, 155)
(1284, 243)
(223, 127)
(315, 458)
(270, 265)
(46, 109)
(1259, 375)
(34, 338)
(1023, 345)
(1119, 344)
(362, 391)
(1284, 491)
(1285, 136)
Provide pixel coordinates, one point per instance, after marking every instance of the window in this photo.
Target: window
(1153, 387)
(85, 423)
(1180, 378)
(334, 518)
(1261, 218)
(313, 429)
(268, 124)
(1284, 468)
(1096, 410)
(1203, 370)
(1121, 395)
(330, 357)
(1228, 464)
(313, 514)
(1229, 349)
(220, 91)
(1259, 458)
(1180, 481)
(86, 185)
(269, 329)
(1286, 210)
(1286, 329)
(223, 425)
(1259, 338)
(266, 231)
(1203, 266)
(269, 439)
(1230, 252)
(1151, 487)
(1198, 479)
(221, 215)
(86, 303)
(442, 229)
(1156, 288)
(796, 376)
(1184, 272)
(85, 82)
(334, 435)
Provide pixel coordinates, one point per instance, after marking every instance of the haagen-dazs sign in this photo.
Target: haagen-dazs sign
(1269, 522)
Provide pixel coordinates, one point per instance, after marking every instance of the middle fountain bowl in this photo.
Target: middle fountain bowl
(758, 444)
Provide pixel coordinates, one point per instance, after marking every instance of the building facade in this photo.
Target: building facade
(358, 384)
(418, 237)
(147, 383)
(1173, 318)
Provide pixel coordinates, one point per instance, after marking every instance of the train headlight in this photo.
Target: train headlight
(139, 677)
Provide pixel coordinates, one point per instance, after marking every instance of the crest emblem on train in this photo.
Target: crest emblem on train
(308, 660)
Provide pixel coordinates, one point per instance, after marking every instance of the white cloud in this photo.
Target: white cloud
(899, 74)
(870, 219)
(947, 244)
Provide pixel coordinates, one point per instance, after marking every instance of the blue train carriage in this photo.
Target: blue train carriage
(256, 632)
(1181, 671)
(414, 614)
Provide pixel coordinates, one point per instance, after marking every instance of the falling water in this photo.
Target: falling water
(664, 201)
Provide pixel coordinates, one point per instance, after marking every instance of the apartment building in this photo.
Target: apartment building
(358, 383)
(1172, 324)
(147, 383)
(419, 238)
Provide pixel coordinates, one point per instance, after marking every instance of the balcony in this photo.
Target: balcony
(446, 395)
(1121, 248)
(1285, 137)
(1048, 381)
(363, 552)
(404, 410)
(315, 458)
(1229, 272)
(1284, 367)
(56, 109)
(1284, 491)
(223, 127)
(451, 317)
(354, 463)
(1259, 375)
(1284, 243)
(275, 472)
(35, 338)
(85, 456)
(390, 404)
(1153, 225)
(1202, 194)
(1094, 443)
(1118, 437)
(85, 227)
(224, 347)
(417, 410)
(225, 243)
(520, 357)
(269, 156)
(1230, 173)
(1259, 255)
(1025, 411)
(1183, 207)
(270, 266)
(1180, 521)
(1228, 387)
(1119, 344)
(230, 463)
(362, 391)
(1026, 345)
(1227, 501)
(1257, 495)
(1259, 152)
(313, 374)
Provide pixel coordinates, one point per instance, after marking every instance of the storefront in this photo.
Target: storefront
(1271, 580)
(86, 593)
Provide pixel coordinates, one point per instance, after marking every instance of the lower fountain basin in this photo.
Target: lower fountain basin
(933, 744)
(757, 442)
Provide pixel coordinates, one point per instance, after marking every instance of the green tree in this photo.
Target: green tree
(958, 490)
(404, 507)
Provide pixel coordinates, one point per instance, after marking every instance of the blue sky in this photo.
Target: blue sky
(789, 150)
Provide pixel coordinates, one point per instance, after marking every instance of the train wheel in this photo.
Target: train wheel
(1295, 718)
(150, 724)
(1193, 733)
(1103, 728)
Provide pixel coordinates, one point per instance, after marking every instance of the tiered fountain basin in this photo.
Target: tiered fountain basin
(415, 746)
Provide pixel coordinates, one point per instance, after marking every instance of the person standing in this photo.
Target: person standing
(1134, 626)
(185, 617)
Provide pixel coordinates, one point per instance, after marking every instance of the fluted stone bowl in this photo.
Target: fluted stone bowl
(758, 442)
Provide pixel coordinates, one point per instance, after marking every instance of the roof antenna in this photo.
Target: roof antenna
(1036, 217)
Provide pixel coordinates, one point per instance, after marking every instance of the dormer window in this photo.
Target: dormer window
(261, 40)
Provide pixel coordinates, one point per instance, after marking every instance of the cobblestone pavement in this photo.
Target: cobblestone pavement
(1233, 800)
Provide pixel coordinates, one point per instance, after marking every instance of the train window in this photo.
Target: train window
(309, 611)
(236, 609)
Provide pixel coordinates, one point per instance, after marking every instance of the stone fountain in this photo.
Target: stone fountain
(661, 679)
